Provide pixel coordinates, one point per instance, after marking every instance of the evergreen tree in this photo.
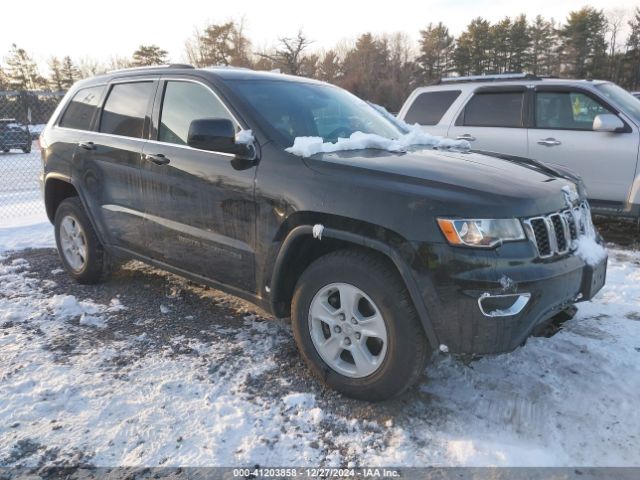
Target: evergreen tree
(584, 46)
(436, 51)
(474, 47)
(543, 46)
(329, 67)
(220, 44)
(501, 39)
(519, 44)
(4, 80)
(22, 71)
(69, 73)
(632, 56)
(364, 66)
(147, 55)
(55, 79)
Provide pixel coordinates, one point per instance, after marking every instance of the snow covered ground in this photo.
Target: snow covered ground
(20, 196)
(149, 369)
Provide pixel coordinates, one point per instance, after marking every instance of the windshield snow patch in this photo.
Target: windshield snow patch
(307, 146)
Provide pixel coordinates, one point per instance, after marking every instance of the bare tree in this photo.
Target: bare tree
(288, 54)
(616, 19)
(89, 67)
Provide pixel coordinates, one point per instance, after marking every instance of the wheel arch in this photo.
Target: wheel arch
(300, 248)
(56, 189)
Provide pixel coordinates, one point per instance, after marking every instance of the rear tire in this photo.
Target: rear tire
(334, 348)
(80, 250)
(27, 149)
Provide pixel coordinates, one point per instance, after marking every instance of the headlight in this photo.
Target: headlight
(481, 233)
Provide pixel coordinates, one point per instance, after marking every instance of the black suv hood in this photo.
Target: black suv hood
(457, 176)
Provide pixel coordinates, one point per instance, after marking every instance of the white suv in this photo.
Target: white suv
(591, 127)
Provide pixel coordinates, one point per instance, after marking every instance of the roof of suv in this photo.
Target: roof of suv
(464, 84)
(222, 72)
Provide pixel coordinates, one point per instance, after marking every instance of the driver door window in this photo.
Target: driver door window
(182, 103)
(566, 110)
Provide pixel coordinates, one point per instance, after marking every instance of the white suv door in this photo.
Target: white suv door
(493, 119)
(562, 133)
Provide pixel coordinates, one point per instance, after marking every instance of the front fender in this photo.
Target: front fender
(366, 242)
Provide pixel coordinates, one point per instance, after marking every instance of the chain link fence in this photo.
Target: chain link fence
(23, 115)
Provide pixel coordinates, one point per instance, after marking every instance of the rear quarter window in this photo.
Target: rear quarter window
(82, 108)
(429, 107)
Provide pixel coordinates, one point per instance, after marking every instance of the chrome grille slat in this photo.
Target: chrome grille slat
(555, 233)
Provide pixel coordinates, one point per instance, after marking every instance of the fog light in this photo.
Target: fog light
(502, 305)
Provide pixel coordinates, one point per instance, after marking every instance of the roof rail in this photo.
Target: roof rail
(151, 67)
(499, 77)
(222, 67)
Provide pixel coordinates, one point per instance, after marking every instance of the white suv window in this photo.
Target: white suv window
(429, 107)
(494, 109)
(570, 110)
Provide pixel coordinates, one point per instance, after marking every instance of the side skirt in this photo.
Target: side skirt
(249, 297)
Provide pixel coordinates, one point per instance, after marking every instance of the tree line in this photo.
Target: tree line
(385, 68)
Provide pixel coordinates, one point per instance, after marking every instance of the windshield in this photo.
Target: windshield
(297, 109)
(621, 98)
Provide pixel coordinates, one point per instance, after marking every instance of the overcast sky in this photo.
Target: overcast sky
(102, 29)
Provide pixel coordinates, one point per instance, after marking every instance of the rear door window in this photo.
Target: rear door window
(494, 109)
(429, 107)
(126, 107)
(569, 110)
(82, 108)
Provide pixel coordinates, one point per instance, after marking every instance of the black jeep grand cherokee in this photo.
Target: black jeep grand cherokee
(379, 258)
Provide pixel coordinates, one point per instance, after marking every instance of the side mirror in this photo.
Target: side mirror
(607, 122)
(218, 135)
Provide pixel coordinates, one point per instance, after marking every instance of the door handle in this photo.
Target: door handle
(467, 137)
(87, 145)
(158, 158)
(549, 142)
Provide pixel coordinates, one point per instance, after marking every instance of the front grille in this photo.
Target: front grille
(554, 234)
(560, 229)
(541, 235)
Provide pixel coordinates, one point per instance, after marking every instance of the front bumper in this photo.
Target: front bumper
(454, 281)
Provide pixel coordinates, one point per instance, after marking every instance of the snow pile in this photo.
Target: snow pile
(317, 231)
(91, 314)
(590, 250)
(586, 246)
(38, 235)
(245, 137)
(307, 146)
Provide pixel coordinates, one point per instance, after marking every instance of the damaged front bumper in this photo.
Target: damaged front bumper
(490, 301)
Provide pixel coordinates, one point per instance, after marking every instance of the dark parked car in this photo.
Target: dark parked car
(14, 135)
(380, 258)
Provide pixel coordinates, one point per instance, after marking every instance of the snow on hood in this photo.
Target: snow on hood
(414, 135)
(307, 146)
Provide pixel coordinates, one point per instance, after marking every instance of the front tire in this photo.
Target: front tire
(80, 250)
(27, 148)
(356, 327)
